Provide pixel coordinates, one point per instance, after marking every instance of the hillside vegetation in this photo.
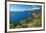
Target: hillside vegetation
(37, 18)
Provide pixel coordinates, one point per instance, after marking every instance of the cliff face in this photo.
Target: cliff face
(37, 18)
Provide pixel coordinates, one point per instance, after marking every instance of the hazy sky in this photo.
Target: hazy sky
(18, 7)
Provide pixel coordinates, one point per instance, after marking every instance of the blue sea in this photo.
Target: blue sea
(19, 15)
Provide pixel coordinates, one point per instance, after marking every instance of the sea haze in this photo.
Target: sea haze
(19, 15)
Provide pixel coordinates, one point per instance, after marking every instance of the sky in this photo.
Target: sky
(19, 7)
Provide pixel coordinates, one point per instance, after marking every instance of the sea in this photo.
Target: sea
(17, 16)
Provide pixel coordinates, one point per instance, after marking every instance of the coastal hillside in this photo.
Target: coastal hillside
(37, 18)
